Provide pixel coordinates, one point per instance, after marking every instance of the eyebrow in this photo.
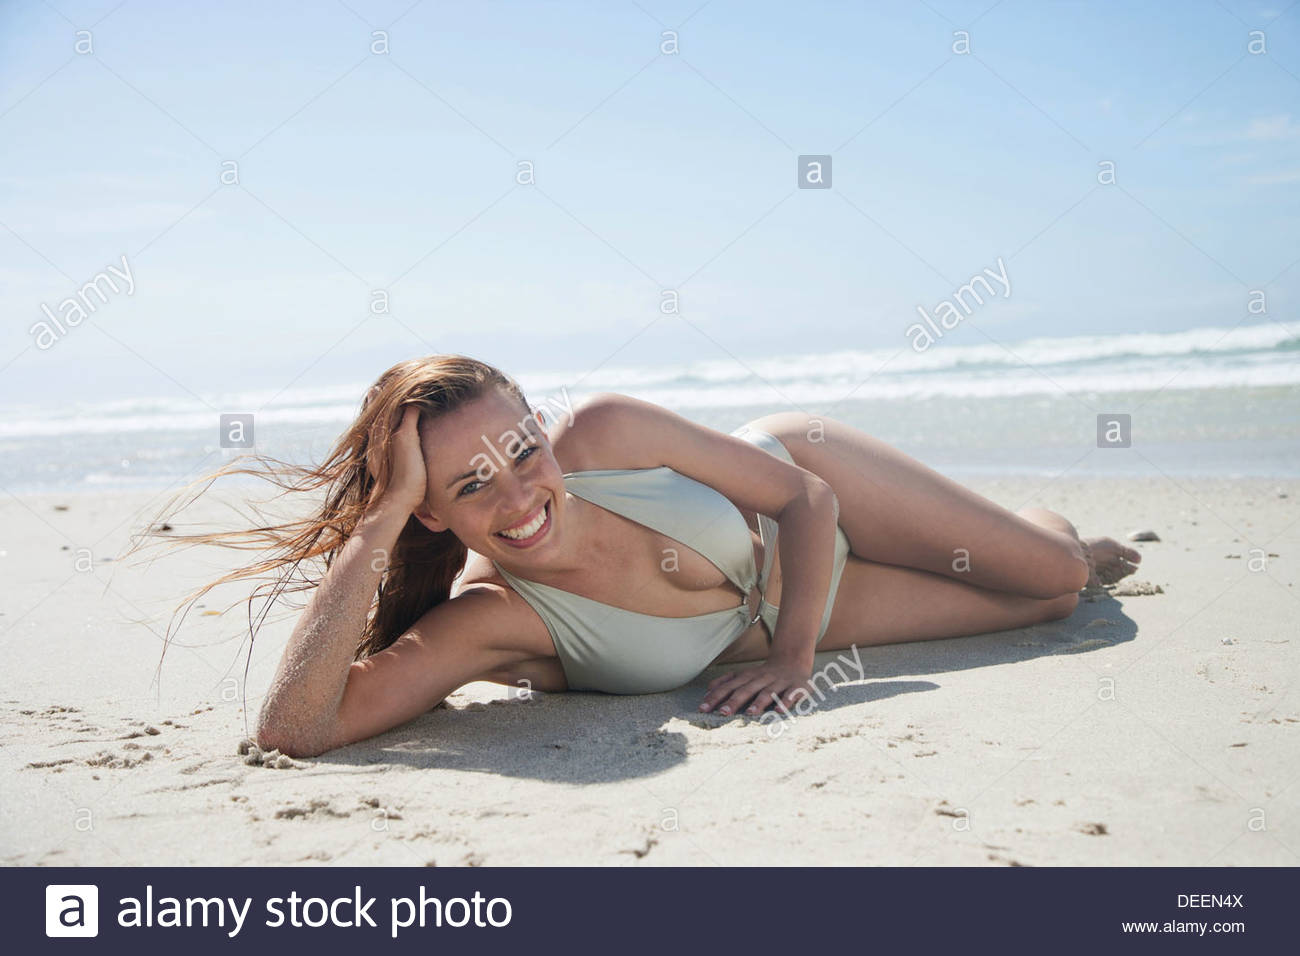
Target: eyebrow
(530, 439)
(458, 478)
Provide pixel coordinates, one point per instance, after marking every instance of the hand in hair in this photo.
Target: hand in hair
(407, 476)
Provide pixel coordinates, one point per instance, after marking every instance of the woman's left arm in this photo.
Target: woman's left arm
(806, 547)
(629, 433)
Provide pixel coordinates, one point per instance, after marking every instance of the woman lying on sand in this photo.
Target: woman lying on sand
(626, 551)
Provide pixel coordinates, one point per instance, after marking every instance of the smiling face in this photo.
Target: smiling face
(493, 479)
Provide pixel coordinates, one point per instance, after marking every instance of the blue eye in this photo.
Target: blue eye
(469, 489)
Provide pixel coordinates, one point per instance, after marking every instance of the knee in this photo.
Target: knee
(1076, 571)
(1063, 574)
(1064, 566)
(1058, 608)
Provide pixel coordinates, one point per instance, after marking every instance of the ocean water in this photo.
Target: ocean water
(1208, 401)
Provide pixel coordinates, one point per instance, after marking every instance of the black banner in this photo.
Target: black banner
(661, 911)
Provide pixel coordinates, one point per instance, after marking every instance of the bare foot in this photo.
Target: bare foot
(1109, 561)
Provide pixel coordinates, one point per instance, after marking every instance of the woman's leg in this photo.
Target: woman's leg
(885, 604)
(896, 511)
(1108, 559)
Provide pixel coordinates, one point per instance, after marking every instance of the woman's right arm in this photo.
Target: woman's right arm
(301, 710)
(320, 698)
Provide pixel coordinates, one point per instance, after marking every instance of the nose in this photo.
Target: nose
(517, 496)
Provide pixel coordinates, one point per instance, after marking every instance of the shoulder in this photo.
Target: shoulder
(481, 594)
(606, 409)
(609, 430)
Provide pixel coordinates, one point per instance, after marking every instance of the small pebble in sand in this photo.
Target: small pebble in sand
(1226, 640)
(1147, 535)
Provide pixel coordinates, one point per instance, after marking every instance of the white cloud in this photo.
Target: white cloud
(1273, 128)
(1274, 179)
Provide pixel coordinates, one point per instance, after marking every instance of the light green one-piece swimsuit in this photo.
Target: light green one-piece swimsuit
(611, 649)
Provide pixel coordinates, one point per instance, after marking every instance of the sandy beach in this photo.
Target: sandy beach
(1149, 728)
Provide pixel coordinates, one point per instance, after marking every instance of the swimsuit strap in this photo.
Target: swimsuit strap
(690, 512)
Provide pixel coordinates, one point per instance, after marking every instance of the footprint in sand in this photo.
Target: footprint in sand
(147, 730)
(314, 808)
(112, 761)
(54, 765)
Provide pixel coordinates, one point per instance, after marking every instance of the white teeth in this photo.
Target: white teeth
(528, 530)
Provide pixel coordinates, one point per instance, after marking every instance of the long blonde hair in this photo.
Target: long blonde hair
(423, 563)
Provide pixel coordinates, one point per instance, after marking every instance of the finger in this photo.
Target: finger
(405, 420)
(718, 690)
(767, 697)
(721, 686)
(770, 696)
(792, 697)
(741, 696)
(720, 693)
(753, 699)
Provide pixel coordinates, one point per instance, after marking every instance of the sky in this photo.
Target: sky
(270, 174)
